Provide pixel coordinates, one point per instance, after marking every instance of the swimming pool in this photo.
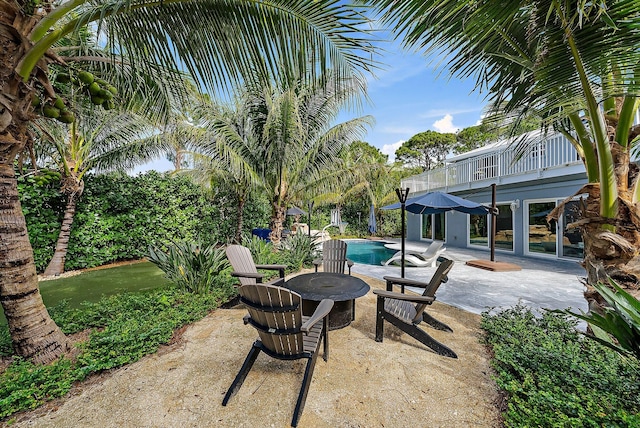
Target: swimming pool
(368, 252)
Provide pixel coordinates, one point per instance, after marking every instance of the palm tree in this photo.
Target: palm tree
(279, 139)
(216, 41)
(575, 65)
(222, 151)
(96, 140)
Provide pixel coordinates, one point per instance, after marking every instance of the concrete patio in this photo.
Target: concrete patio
(542, 283)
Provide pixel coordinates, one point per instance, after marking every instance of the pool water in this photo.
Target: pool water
(368, 252)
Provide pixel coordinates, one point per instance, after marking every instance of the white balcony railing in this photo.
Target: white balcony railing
(553, 152)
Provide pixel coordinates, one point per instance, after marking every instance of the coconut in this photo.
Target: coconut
(108, 105)
(59, 104)
(50, 111)
(86, 77)
(94, 88)
(97, 100)
(35, 101)
(63, 78)
(112, 89)
(105, 94)
(67, 117)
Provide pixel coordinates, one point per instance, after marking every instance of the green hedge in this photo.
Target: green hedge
(119, 216)
(553, 376)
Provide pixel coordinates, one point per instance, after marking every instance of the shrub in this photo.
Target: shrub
(263, 252)
(125, 328)
(618, 327)
(554, 376)
(191, 267)
(119, 216)
(301, 250)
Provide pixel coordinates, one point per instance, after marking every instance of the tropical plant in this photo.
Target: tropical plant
(215, 41)
(263, 252)
(190, 266)
(224, 126)
(371, 180)
(618, 324)
(574, 65)
(95, 140)
(280, 140)
(302, 250)
(551, 375)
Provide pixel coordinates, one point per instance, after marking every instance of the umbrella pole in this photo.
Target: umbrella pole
(402, 197)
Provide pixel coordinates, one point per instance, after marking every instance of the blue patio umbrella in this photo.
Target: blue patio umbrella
(396, 206)
(434, 203)
(439, 202)
(372, 220)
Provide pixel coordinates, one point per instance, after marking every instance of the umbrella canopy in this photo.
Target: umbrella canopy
(372, 220)
(295, 211)
(438, 202)
(396, 206)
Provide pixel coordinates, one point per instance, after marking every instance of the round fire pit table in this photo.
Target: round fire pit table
(342, 289)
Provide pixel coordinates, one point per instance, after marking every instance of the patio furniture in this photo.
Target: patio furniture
(428, 257)
(407, 311)
(284, 333)
(342, 289)
(246, 270)
(261, 233)
(334, 257)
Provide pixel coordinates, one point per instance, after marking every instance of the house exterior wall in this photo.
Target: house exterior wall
(552, 172)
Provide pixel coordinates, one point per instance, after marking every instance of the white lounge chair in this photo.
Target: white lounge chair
(428, 257)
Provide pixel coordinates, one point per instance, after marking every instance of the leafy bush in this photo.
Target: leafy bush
(191, 267)
(554, 376)
(262, 251)
(621, 320)
(301, 250)
(43, 207)
(125, 328)
(119, 216)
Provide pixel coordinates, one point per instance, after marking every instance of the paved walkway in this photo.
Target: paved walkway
(551, 284)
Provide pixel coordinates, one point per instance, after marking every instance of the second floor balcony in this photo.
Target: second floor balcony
(549, 157)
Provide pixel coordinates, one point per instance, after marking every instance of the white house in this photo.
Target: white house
(527, 189)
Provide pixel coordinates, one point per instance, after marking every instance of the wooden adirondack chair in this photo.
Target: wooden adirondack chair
(246, 270)
(407, 311)
(334, 257)
(284, 333)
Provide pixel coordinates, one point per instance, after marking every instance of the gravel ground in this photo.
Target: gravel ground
(397, 383)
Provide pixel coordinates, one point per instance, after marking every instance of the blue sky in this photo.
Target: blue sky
(407, 96)
(410, 96)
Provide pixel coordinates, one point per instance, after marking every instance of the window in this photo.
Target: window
(478, 230)
(504, 228)
(572, 243)
(433, 226)
(541, 235)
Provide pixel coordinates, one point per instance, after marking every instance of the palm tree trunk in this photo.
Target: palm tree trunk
(609, 254)
(34, 334)
(277, 219)
(56, 265)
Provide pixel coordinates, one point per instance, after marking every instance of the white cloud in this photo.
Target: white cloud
(445, 124)
(390, 149)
